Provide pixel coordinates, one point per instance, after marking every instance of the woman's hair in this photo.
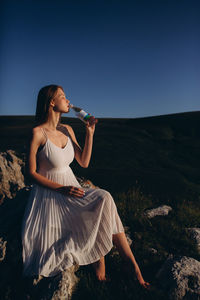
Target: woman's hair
(45, 95)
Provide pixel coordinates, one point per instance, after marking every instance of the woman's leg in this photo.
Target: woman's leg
(99, 267)
(120, 241)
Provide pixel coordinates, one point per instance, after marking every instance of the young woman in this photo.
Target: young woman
(63, 223)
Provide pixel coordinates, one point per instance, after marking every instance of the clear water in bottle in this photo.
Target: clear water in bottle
(83, 116)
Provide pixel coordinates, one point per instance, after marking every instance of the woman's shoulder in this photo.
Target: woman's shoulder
(68, 127)
(37, 133)
(70, 131)
(37, 130)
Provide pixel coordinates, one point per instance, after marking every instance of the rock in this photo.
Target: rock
(85, 183)
(194, 233)
(2, 249)
(180, 278)
(162, 210)
(59, 287)
(153, 251)
(11, 177)
(67, 284)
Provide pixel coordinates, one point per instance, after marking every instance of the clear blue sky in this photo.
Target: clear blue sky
(113, 58)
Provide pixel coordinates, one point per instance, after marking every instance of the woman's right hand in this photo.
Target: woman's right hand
(71, 191)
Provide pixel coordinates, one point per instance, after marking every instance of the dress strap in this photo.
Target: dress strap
(44, 132)
(65, 130)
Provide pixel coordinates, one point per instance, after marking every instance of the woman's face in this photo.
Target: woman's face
(61, 104)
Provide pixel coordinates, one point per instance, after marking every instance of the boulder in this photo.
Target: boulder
(180, 278)
(162, 210)
(194, 233)
(59, 287)
(152, 251)
(86, 183)
(2, 249)
(67, 284)
(11, 177)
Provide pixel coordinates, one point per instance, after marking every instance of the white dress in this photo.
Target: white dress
(59, 231)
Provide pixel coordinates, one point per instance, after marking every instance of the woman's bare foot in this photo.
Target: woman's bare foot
(99, 267)
(128, 269)
(143, 283)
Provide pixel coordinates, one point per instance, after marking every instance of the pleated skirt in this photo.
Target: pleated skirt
(59, 231)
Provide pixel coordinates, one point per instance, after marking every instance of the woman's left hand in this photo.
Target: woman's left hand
(90, 128)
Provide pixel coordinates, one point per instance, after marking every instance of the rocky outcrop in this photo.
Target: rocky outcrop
(180, 277)
(86, 183)
(2, 249)
(194, 234)
(67, 284)
(162, 210)
(152, 251)
(11, 177)
(60, 287)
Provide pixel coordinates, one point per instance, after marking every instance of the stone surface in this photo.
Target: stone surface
(180, 277)
(85, 183)
(194, 233)
(67, 284)
(152, 251)
(2, 249)
(59, 287)
(11, 177)
(162, 210)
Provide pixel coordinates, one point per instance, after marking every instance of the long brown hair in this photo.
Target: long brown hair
(45, 95)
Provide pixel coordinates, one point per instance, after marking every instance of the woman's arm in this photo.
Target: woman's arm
(83, 156)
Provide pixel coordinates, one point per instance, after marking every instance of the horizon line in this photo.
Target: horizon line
(185, 112)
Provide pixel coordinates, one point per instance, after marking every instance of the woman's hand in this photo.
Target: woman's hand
(90, 128)
(71, 191)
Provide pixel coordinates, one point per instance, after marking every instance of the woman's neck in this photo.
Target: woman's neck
(53, 120)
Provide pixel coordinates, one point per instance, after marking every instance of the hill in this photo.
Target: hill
(144, 163)
(161, 153)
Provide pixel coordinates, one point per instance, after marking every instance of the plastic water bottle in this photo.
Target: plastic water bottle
(83, 116)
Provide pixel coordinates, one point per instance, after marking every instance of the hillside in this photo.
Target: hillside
(161, 153)
(144, 163)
